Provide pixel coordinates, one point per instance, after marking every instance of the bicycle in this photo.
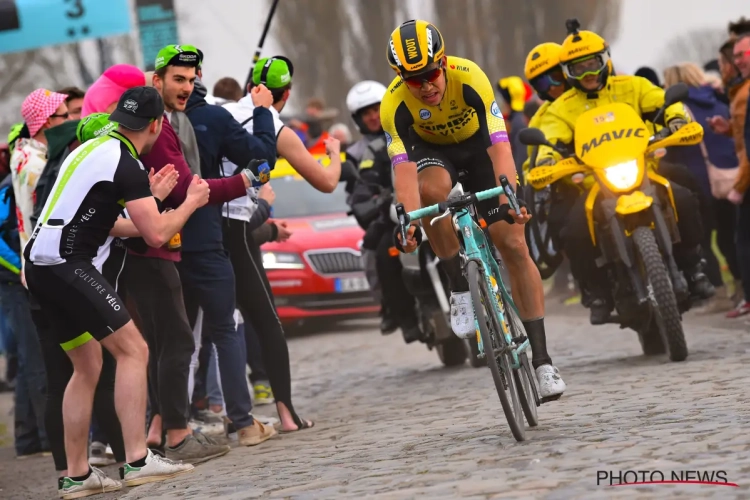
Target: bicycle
(497, 326)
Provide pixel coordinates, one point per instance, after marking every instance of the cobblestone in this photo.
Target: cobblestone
(391, 423)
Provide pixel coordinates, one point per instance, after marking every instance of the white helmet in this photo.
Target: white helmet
(364, 94)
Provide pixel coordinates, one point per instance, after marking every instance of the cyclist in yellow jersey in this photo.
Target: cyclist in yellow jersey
(441, 119)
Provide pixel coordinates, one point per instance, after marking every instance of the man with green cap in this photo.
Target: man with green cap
(256, 306)
(156, 286)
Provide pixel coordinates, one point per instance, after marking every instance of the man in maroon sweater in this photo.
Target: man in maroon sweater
(155, 285)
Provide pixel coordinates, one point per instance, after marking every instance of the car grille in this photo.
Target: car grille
(335, 262)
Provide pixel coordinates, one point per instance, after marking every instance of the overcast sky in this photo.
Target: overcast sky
(228, 30)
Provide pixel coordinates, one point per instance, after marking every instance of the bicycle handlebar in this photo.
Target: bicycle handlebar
(462, 201)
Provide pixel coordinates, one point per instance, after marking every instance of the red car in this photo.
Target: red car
(318, 272)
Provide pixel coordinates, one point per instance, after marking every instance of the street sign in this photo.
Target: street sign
(30, 24)
(157, 25)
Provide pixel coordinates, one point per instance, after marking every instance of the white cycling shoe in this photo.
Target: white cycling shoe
(462, 315)
(551, 384)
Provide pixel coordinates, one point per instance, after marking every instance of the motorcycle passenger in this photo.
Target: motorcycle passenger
(585, 59)
(440, 117)
(370, 200)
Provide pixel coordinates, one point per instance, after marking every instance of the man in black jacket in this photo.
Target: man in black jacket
(370, 198)
(205, 269)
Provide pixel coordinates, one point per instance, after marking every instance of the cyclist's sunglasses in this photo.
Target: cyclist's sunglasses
(429, 76)
(543, 83)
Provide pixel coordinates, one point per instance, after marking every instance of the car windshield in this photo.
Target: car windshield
(296, 198)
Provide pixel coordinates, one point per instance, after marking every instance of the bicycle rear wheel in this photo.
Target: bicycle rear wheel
(494, 342)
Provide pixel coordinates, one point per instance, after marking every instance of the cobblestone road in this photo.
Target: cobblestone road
(392, 423)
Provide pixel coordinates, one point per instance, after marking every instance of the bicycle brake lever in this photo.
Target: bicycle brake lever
(512, 200)
(403, 220)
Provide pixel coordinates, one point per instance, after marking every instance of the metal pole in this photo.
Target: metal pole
(256, 57)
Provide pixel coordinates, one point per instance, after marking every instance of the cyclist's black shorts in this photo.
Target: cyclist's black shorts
(77, 300)
(472, 158)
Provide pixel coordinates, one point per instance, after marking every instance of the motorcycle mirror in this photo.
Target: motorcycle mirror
(348, 172)
(676, 93)
(532, 137)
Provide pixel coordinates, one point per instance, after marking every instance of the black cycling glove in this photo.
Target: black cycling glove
(397, 231)
(504, 211)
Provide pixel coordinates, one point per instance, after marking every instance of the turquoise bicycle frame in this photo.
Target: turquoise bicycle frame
(475, 246)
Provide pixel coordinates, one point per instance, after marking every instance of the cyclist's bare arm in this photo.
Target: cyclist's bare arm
(157, 229)
(406, 185)
(324, 179)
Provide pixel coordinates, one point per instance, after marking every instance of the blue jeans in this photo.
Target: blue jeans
(31, 381)
(208, 283)
(213, 380)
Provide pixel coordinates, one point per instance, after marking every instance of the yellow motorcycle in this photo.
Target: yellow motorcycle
(631, 215)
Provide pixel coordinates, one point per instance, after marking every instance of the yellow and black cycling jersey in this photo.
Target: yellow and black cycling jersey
(468, 108)
(558, 121)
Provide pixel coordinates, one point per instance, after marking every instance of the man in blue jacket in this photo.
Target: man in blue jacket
(206, 271)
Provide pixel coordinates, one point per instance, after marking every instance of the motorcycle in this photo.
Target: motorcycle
(429, 285)
(631, 215)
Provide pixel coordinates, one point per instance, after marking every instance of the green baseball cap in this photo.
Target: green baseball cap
(273, 72)
(93, 126)
(185, 55)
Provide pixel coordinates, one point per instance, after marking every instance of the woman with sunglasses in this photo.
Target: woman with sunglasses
(440, 119)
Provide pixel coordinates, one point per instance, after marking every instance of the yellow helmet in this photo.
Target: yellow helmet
(584, 53)
(414, 45)
(542, 58)
(542, 69)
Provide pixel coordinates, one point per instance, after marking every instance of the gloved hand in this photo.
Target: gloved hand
(514, 92)
(412, 235)
(546, 161)
(676, 124)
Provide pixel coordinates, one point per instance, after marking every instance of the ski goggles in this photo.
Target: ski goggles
(544, 82)
(581, 68)
(429, 76)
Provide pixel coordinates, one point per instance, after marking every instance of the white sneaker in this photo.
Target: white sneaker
(462, 315)
(100, 454)
(156, 469)
(551, 384)
(96, 483)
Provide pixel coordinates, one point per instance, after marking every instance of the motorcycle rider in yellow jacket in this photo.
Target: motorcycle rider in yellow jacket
(585, 59)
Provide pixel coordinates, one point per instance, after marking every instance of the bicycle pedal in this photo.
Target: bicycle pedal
(520, 339)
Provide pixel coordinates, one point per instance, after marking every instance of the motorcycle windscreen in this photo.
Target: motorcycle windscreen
(610, 135)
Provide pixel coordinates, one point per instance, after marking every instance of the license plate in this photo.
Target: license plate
(351, 284)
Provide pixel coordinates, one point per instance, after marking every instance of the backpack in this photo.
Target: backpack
(10, 244)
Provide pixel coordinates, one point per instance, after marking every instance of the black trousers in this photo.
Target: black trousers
(157, 292)
(60, 369)
(396, 297)
(255, 302)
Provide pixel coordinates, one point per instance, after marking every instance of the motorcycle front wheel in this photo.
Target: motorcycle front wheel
(666, 312)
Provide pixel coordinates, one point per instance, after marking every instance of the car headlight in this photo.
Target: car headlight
(622, 176)
(282, 260)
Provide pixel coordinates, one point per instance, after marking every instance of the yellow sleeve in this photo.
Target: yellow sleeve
(390, 109)
(480, 95)
(652, 99)
(556, 130)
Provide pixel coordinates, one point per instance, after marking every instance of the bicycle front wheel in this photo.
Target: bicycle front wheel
(494, 343)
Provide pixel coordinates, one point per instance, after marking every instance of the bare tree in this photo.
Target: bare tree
(498, 34)
(54, 68)
(698, 46)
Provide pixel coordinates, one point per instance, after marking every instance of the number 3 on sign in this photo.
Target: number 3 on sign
(75, 10)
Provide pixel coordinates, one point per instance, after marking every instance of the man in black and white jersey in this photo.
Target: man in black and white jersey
(78, 222)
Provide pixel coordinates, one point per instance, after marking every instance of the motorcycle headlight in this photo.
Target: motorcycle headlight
(622, 176)
(282, 260)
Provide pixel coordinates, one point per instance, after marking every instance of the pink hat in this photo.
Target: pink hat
(38, 107)
(108, 88)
